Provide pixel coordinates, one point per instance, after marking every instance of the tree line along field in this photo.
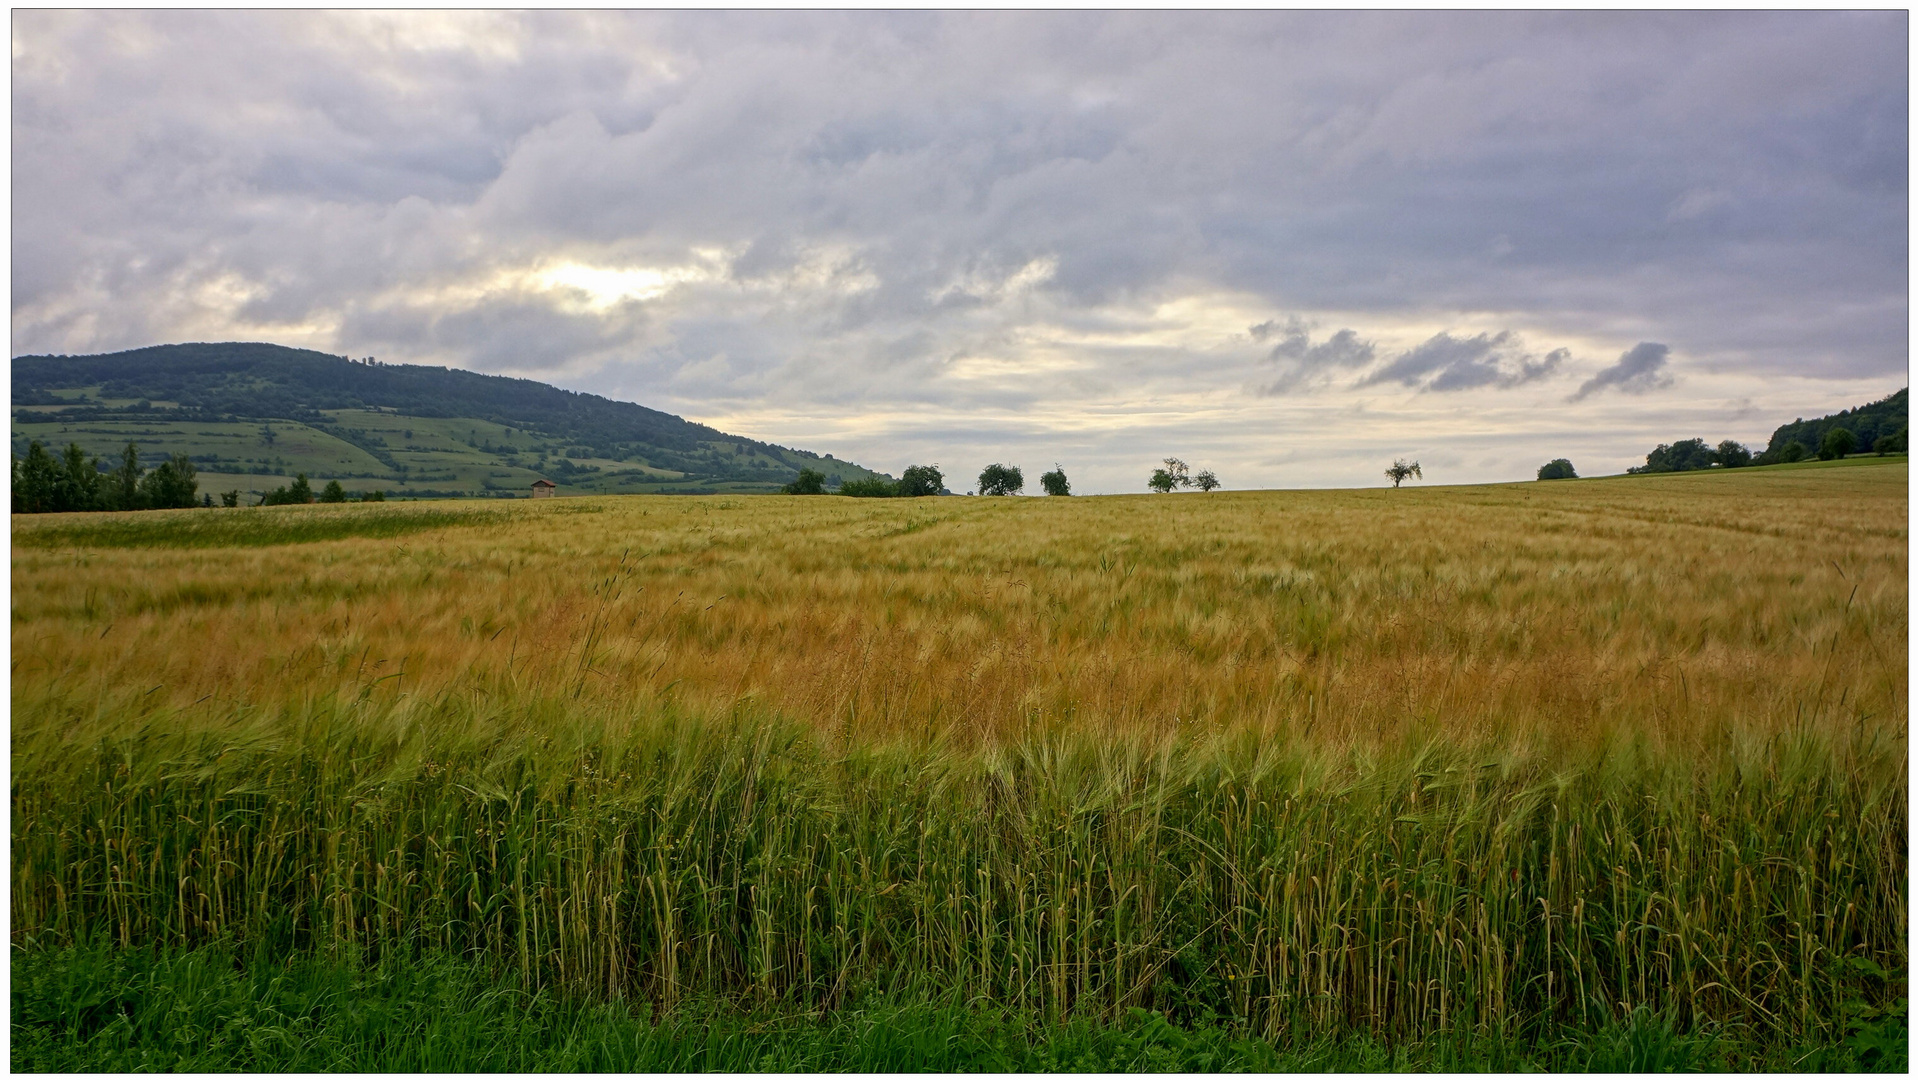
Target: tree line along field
(1515, 761)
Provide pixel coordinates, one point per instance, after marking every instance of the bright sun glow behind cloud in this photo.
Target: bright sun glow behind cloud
(603, 287)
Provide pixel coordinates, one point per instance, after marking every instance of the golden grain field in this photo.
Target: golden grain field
(1681, 606)
(1396, 759)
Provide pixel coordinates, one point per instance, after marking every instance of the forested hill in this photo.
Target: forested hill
(257, 411)
(1890, 416)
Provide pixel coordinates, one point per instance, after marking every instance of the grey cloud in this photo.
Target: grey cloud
(1443, 362)
(1375, 168)
(1342, 349)
(1735, 181)
(1639, 370)
(1304, 363)
(769, 254)
(1529, 370)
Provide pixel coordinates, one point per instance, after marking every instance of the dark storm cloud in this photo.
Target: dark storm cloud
(809, 190)
(1640, 370)
(1444, 362)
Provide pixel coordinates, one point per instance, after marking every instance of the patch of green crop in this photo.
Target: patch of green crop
(242, 527)
(218, 1009)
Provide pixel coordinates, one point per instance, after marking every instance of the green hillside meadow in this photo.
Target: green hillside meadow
(253, 415)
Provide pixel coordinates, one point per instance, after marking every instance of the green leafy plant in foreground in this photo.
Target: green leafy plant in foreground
(101, 1009)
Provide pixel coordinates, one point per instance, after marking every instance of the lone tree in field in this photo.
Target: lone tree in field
(1055, 482)
(1555, 469)
(810, 482)
(1001, 480)
(1837, 443)
(1401, 469)
(1173, 475)
(332, 492)
(1205, 481)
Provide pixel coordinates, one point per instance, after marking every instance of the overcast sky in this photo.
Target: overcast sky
(1289, 247)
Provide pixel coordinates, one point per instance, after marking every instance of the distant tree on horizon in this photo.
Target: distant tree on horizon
(1055, 482)
(1733, 454)
(298, 493)
(999, 479)
(869, 487)
(35, 481)
(1401, 469)
(124, 491)
(82, 479)
(1557, 469)
(1173, 474)
(171, 485)
(1205, 481)
(1685, 455)
(921, 480)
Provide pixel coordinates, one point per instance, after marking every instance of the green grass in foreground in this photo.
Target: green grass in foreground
(106, 1010)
